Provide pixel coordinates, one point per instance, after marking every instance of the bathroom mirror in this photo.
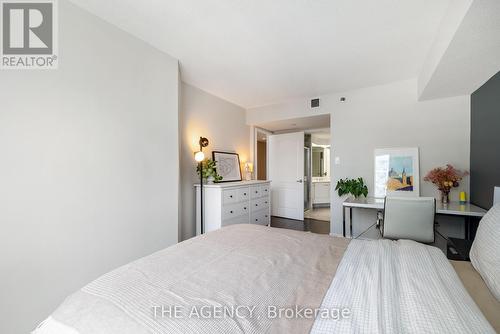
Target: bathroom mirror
(320, 161)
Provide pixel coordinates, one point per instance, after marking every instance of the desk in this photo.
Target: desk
(452, 209)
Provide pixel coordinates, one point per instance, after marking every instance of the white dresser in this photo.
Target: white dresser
(246, 202)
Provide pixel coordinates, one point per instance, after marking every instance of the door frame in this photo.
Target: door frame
(255, 139)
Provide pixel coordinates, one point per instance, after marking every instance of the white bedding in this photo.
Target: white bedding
(388, 287)
(239, 265)
(399, 287)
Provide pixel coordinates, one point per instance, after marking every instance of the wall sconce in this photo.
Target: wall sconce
(199, 157)
(248, 171)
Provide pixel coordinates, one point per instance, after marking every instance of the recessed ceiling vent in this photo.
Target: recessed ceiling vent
(315, 103)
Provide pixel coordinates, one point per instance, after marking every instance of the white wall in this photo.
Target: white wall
(390, 116)
(223, 123)
(380, 117)
(89, 166)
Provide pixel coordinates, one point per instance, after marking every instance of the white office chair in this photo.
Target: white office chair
(409, 218)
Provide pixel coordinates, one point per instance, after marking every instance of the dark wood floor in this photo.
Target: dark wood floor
(308, 225)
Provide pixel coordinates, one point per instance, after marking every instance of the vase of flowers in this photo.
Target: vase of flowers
(445, 178)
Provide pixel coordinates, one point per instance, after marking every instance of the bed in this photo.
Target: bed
(257, 279)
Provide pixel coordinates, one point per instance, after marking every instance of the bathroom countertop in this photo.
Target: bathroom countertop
(320, 180)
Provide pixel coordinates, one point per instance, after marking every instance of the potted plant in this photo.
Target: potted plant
(355, 187)
(209, 172)
(445, 178)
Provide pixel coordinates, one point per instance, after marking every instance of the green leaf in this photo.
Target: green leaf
(355, 187)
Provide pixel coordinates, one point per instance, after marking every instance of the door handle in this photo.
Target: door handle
(300, 181)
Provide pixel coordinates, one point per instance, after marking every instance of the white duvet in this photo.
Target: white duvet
(399, 287)
(387, 287)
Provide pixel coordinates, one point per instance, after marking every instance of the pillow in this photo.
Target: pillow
(485, 250)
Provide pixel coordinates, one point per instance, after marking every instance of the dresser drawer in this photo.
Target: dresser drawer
(230, 196)
(234, 210)
(260, 217)
(259, 191)
(264, 190)
(255, 192)
(259, 204)
(244, 194)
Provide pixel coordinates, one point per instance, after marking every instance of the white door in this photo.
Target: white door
(286, 172)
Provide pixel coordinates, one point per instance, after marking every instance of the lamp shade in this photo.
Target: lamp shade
(199, 156)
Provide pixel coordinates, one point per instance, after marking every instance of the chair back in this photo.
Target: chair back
(409, 218)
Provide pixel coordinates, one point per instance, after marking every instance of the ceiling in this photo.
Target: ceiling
(261, 136)
(472, 55)
(321, 138)
(258, 52)
(297, 124)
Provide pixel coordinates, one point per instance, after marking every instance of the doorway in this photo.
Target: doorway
(318, 202)
(318, 208)
(283, 153)
(261, 154)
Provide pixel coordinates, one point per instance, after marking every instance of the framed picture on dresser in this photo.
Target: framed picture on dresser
(227, 166)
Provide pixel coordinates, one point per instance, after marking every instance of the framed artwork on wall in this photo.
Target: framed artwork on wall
(397, 172)
(227, 166)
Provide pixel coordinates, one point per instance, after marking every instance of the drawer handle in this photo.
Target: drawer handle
(265, 202)
(267, 216)
(244, 194)
(231, 196)
(256, 220)
(256, 204)
(256, 192)
(265, 190)
(244, 208)
(231, 211)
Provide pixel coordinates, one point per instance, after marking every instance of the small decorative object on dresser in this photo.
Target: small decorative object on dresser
(228, 165)
(246, 202)
(248, 171)
(445, 178)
